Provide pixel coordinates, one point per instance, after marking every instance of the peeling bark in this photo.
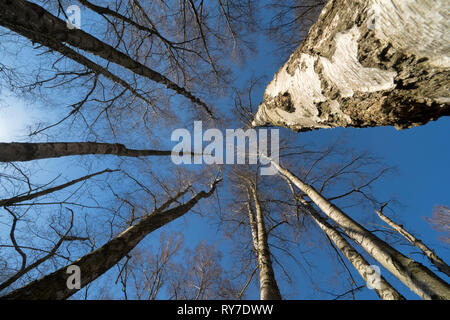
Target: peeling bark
(37, 24)
(417, 277)
(431, 255)
(14, 151)
(97, 262)
(385, 290)
(365, 63)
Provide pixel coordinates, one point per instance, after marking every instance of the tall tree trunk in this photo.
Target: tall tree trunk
(37, 24)
(417, 277)
(365, 63)
(268, 284)
(431, 255)
(384, 289)
(14, 151)
(252, 222)
(97, 262)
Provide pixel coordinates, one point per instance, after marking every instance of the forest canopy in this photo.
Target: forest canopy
(226, 149)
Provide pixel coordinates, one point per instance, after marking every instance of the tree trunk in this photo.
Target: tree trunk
(365, 63)
(268, 284)
(431, 255)
(384, 289)
(95, 263)
(252, 222)
(37, 24)
(413, 274)
(10, 152)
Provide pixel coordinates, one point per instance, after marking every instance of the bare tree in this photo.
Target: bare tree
(384, 289)
(144, 274)
(429, 253)
(290, 22)
(14, 151)
(94, 264)
(200, 276)
(440, 221)
(39, 25)
(416, 276)
(268, 284)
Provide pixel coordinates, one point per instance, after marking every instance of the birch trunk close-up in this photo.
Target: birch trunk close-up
(363, 64)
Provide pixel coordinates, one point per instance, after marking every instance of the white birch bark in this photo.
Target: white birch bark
(365, 63)
(384, 289)
(40, 26)
(431, 255)
(14, 151)
(252, 222)
(268, 285)
(417, 277)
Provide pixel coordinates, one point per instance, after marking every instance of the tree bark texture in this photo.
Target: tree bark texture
(365, 63)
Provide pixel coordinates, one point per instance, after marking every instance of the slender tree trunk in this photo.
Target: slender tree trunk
(431, 255)
(95, 263)
(31, 196)
(417, 277)
(10, 152)
(383, 288)
(252, 222)
(365, 63)
(268, 284)
(37, 24)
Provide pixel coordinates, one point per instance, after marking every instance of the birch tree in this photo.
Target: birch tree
(429, 253)
(268, 284)
(14, 151)
(364, 64)
(440, 221)
(37, 24)
(125, 77)
(413, 274)
(201, 277)
(253, 218)
(384, 289)
(94, 264)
